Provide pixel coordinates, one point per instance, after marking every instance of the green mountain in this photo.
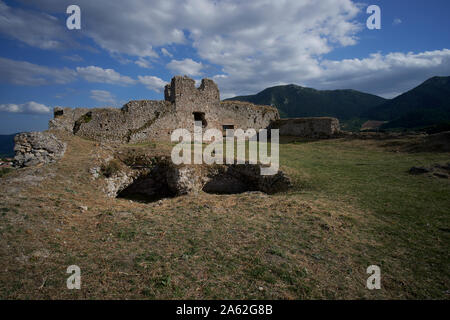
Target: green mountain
(296, 101)
(426, 105)
(7, 145)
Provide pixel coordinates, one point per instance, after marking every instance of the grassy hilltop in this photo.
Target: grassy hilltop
(353, 204)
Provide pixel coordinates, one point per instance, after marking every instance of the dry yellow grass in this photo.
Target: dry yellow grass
(315, 241)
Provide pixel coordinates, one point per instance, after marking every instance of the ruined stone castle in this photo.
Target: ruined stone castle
(184, 104)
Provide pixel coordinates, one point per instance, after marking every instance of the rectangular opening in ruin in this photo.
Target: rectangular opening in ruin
(226, 127)
(200, 116)
(58, 113)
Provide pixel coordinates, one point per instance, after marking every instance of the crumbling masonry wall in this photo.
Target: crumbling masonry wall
(322, 127)
(145, 120)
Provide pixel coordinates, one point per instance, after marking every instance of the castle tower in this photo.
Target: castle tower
(194, 104)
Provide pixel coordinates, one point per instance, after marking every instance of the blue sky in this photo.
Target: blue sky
(129, 51)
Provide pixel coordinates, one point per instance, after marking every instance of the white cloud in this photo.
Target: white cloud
(152, 83)
(247, 39)
(25, 73)
(97, 74)
(34, 28)
(103, 96)
(143, 63)
(74, 58)
(166, 53)
(255, 44)
(396, 21)
(218, 29)
(386, 75)
(28, 108)
(134, 28)
(185, 67)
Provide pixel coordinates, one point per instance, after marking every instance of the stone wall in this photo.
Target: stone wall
(34, 148)
(145, 120)
(64, 118)
(324, 127)
(136, 121)
(246, 115)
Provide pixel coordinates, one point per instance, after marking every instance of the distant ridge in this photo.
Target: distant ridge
(296, 101)
(427, 104)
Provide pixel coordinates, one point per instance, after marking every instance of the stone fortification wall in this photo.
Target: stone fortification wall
(307, 127)
(156, 120)
(246, 115)
(64, 118)
(184, 104)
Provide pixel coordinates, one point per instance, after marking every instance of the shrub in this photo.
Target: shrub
(111, 168)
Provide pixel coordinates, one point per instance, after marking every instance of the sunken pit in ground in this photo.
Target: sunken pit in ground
(149, 179)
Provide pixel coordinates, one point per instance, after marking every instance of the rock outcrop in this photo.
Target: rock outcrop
(33, 148)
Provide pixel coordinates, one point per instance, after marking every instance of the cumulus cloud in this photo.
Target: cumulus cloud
(103, 96)
(28, 108)
(152, 83)
(34, 28)
(100, 75)
(166, 53)
(143, 63)
(26, 73)
(218, 29)
(185, 67)
(386, 75)
(134, 28)
(254, 44)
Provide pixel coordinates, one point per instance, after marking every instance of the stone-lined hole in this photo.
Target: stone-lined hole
(149, 187)
(227, 184)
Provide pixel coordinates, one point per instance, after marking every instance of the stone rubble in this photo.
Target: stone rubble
(34, 148)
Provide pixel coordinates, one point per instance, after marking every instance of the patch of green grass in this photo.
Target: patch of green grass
(162, 281)
(406, 211)
(70, 190)
(147, 258)
(5, 171)
(87, 117)
(126, 234)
